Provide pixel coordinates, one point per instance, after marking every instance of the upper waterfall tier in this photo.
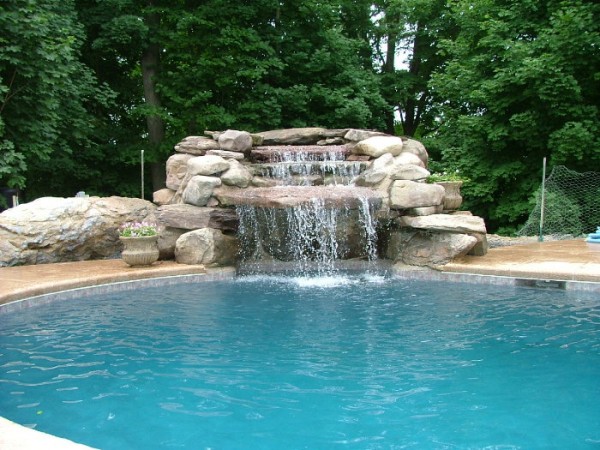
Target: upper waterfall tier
(300, 153)
(351, 197)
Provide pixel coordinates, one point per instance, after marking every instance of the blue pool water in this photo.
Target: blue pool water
(309, 364)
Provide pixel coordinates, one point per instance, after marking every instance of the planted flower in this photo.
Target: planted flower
(137, 229)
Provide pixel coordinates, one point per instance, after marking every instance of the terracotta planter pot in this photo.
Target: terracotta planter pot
(452, 198)
(140, 251)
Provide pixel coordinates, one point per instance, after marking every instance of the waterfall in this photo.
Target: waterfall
(309, 238)
(330, 222)
(369, 228)
(302, 167)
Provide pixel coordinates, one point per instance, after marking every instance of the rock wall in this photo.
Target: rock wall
(216, 171)
(209, 174)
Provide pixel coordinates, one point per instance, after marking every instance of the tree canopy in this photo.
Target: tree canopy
(490, 86)
(520, 82)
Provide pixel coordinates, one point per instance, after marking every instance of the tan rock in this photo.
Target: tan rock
(54, 229)
(378, 145)
(176, 170)
(445, 222)
(405, 194)
(206, 246)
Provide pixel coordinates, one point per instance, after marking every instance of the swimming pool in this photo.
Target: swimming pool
(277, 363)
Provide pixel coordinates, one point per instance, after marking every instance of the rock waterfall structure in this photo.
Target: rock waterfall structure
(302, 196)
(312, 195)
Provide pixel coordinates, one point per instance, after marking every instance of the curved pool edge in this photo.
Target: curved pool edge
(539, 280)
(22, 282)
(104, 283)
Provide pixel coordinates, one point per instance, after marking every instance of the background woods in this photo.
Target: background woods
(493, 85)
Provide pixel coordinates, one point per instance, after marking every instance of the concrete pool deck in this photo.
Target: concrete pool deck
(556, 261)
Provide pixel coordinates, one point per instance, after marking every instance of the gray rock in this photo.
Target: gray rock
(436, 249)
(410, 172)
(379, 145)
(445, 222)
(235, 141)
(265, 182)
(206, 246)
(293, 136)
(417, 148)
(176, 170)
(200, 189)
(481, 247)
(225, 154)
(237, 175)
(408, 158)
(406, 194)
(196, 145)
(166, 242)
(426, 210)
(52, 229)
(360, 135)
(190, 217)
(207, 165)
(350, 197)
(379, 169)
(163, 196)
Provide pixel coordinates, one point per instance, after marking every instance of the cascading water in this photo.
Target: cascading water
(300, 168)
(310, 238)
(316, 233)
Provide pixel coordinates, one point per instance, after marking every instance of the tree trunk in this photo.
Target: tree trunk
(156, 127)
(390, 68)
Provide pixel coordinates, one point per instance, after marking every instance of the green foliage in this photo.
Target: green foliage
(520, 83)
(46, 94)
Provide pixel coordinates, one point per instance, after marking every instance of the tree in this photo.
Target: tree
(46, 94)
(414, 29)
(521, 83)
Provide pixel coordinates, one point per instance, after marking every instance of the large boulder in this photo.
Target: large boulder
(163, 196)
(445, 222)
(349, 197)
(405, 194)
(235, 141)
(378, 145)
(196, 145)
(199, 190)
(190, 217)
(410, 172)
(418, 248)
(405, 158)
(176, 169)
(206, 246)
(226, 154)
(237, 175)
(293, 136)
(207, 165)
(417, 148)
(355, 135)
(52, 229)
(379, 169)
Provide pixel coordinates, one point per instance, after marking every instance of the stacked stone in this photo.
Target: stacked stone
(424, 227)
(210, 172)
